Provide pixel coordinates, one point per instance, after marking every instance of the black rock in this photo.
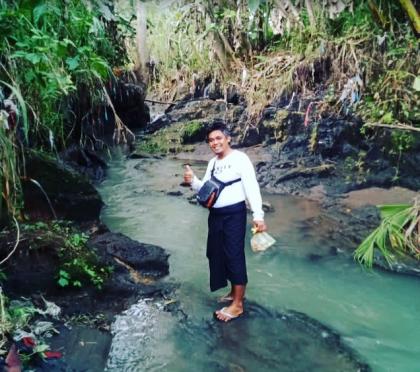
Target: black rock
(72, 196)
(149, 259)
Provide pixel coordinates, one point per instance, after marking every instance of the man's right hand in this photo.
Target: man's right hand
(188, 174)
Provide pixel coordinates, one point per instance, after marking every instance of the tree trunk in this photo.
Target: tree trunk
(412, 13)
(223, 50)
(220, 51)
(141, 41)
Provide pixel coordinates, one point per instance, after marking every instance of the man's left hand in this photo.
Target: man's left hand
(260, 226)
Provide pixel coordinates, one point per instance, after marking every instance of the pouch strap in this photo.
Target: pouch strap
(223, 183)
(226, 183)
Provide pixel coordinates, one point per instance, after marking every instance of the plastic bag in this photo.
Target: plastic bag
(261, 241)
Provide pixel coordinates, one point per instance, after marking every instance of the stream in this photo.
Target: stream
(376, 313)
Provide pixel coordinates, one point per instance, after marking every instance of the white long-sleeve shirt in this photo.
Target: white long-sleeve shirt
(234, 165)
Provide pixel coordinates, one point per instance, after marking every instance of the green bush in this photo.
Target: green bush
(79, 265)
(193, 131)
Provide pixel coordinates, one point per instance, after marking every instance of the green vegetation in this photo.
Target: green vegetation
(356, 168)
(179, 45)
(193, 131)
(368, 56)
(152, 145)
(78, 265)
(55, 58)
(398, 233)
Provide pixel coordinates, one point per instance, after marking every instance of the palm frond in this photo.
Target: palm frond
(398, 234)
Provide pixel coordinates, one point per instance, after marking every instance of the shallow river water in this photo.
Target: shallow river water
(376, 313)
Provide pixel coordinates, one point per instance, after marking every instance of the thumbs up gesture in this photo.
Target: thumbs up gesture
(188, 174)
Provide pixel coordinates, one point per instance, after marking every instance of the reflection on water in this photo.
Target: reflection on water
(377, 313)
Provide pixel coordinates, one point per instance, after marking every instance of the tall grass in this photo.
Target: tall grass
(179, 44)
(10, 187)
(382, 53)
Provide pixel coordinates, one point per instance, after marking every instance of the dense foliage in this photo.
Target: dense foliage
(52, 53)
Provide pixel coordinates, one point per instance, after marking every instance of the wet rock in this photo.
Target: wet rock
(236, 113)
(149, 259)
(252, 137)
(143, 155)
(72, 196)
(174, 193)
(30, 270)
(99, 125)
(85, 161)
(232, 95)
(159, 122)
(101, 122)
(333, 135)
(401, 264)
(267, 207)
(269, 112)
(315, 257)
(203, 110)
(285, 334)
(128, 99)
(213, 90)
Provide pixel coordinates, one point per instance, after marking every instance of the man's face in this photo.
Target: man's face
(218, 142)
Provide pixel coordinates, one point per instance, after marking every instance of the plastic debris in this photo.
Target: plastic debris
(51, 308)
(352, 90)
(42, 327)
(53, 354)
(13, 360)
(20, 334)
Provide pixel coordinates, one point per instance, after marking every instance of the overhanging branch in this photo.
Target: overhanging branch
(398, 126)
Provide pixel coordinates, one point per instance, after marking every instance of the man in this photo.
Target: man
(227, 218)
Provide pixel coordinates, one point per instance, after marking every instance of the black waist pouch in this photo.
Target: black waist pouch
(211, 190)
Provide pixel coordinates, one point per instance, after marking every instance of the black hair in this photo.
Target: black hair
(218, 125)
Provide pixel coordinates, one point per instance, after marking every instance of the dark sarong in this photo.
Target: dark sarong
(226, 244)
